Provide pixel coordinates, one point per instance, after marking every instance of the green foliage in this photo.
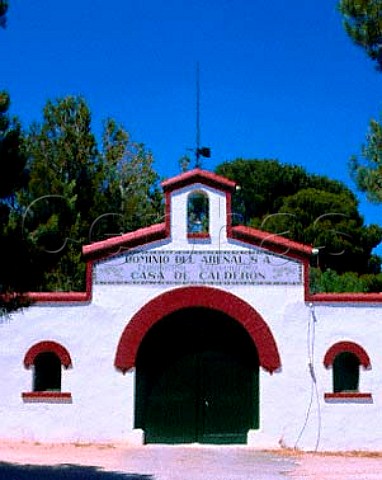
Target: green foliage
(264, 183)
(184, 163)
(331, 223)
(367, 172)
(12, 161)
(286, 200)
(61, 162)
(78, 192)
(363, 23)
(13, 251)
(15, 264)
(348, 282)
(130, 184)
(3, 13)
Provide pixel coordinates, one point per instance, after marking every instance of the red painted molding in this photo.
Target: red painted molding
(186, 297)
(306, 264)
(350, 347)
(65, 297)
(229, 214)
(347, 395)
(198, 235)
(115, 245)
(167, 214)
(57, 297)
(144, 236)
(47, 346)
(344, 297)
(62, 297)
(47, 396)
(89, 281)
(271, 241)
(198, 176)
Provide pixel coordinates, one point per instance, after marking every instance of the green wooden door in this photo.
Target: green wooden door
(171, 415)
(197, 380)
(228, 397)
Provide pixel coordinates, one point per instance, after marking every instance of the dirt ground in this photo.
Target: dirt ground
(345, 466)
(196, 462)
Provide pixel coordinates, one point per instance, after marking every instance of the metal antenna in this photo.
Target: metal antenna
(199, 151)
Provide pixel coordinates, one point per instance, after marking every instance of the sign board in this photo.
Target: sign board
(199, 267)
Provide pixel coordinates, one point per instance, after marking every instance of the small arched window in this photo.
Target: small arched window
(47, 373)
(345, 373)
(47, 359)
(346, 358)
(197, 214)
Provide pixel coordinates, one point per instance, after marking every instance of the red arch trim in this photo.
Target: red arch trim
(187, 297)
(47, 346)
(350, 347)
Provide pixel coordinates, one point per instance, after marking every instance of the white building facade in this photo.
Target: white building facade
(194, 330)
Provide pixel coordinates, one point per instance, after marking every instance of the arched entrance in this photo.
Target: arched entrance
(197, 375)
(197, 352)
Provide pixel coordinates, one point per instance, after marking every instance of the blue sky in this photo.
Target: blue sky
(279, 79)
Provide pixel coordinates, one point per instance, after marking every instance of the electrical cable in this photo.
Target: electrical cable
(310, 344)
(313, 374)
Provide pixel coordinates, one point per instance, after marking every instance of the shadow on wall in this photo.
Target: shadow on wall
(63, 472)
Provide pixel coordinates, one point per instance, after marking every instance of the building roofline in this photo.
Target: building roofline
(161, 231)
(345, 297)
(198, 175)
(114, 245)
(271, 241)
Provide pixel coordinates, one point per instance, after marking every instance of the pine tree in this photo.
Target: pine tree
(79, 192)
(14, 260)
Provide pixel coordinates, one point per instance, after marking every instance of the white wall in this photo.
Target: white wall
(101, 396)
(102, 408)
(103, 399)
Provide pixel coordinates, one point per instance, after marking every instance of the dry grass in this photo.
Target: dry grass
(98, 446)
(292, 452)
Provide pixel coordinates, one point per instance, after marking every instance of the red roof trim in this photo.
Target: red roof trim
(162, 231)
(186, 297)
(229, 214)
(167, 214)
(59, 297)
(271, 241)
(115, 245)
(198, 176)
(344, 297)
(65, 297)
(351, 347)
(47, 346)
(298, 251)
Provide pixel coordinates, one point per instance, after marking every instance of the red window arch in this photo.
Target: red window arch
(44, 347)
(351, 347)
